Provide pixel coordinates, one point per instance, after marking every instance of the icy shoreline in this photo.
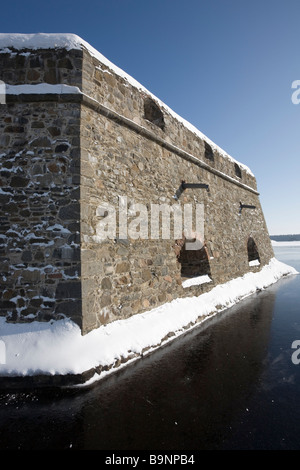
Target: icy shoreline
(287, 243)
(58, 348)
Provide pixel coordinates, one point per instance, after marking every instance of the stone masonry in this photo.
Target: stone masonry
(68, 150)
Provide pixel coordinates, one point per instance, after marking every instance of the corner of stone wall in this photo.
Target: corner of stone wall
(40, 189)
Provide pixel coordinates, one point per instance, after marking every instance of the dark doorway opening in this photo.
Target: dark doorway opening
(253, 254)
(193, 263)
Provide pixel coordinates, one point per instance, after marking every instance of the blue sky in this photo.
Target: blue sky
(227, 66)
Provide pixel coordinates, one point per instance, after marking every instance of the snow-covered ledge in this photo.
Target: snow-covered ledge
(255, 262)
(41, 88)
(58, 348)
(196, 281)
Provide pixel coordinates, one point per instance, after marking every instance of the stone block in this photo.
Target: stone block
(19, 182)
(70, 212)
(68, 290)
(31, 276)
(106, 283)
(122, 267)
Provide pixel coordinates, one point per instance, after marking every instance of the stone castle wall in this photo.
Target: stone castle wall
(65, 154)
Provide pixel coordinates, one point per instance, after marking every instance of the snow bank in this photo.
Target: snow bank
(58, 347)
(10, 42)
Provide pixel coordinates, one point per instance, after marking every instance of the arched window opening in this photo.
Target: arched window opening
(253, 255)
(208, 152)
(194, 264)
(153, 113)
(238, 170)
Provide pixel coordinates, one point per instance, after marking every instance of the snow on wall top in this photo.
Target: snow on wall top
(68, 41)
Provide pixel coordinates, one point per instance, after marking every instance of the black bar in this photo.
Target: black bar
(193, 185)
(246, 206)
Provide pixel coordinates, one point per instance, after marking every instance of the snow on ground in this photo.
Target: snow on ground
(10, 42)
(58, 347)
